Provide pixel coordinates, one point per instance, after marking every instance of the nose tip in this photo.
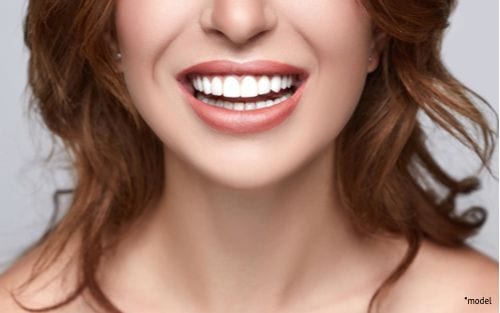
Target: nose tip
(238, 20)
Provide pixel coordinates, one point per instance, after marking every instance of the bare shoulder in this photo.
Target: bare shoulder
(444, 279)
(49, 288)
(11, 281)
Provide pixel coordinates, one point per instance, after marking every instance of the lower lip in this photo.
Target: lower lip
(244, 122)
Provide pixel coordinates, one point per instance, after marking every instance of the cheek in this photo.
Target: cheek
(147, 30)
(329, 25)
(339, 33)
(146, 27)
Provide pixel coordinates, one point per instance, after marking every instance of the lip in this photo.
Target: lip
(242, 122)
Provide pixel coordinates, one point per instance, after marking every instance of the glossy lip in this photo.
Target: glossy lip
(242, 122)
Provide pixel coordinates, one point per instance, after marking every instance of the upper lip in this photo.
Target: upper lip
(259, 67)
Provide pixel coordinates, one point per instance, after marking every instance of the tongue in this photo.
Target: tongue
(270, 96)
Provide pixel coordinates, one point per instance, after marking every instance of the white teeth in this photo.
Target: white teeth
(264, 85)
(217, 86)
(207, 86)
(283, 98)
(239, 106)
(276, 83)
(200, 83)
(284, 82)
(248, 86)
(261, 104)
(242, 106)
(197, 83)
(231, 87)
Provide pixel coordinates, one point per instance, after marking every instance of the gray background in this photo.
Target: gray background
(26, 183)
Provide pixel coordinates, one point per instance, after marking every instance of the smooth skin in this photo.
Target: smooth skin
(250, 223)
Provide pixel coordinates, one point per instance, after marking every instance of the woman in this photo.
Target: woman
(251, 156)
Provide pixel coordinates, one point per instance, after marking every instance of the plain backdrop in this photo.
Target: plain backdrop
(470, 51)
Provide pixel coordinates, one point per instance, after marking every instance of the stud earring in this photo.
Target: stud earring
(370, 59)
(118, 56)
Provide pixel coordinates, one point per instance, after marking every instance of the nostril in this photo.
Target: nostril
(236, 22)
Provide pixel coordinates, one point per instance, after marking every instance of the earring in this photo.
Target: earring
(118, 56)
(370, 59)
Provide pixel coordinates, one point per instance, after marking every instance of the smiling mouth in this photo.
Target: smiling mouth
(243, 93)
(243, 98)
(242, 87)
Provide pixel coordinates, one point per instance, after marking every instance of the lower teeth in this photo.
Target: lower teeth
(243, 106)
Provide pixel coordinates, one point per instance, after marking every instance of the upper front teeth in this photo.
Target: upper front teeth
(246, 87)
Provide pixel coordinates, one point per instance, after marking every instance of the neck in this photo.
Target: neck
(220, 249)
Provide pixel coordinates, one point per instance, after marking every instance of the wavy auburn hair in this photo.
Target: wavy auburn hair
(117, 160)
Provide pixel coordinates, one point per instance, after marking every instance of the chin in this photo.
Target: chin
(240, 176)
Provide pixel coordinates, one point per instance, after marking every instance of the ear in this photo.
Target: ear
(114, 49)
(377, 47)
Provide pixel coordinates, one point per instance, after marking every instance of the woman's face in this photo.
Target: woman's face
(331, 40)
